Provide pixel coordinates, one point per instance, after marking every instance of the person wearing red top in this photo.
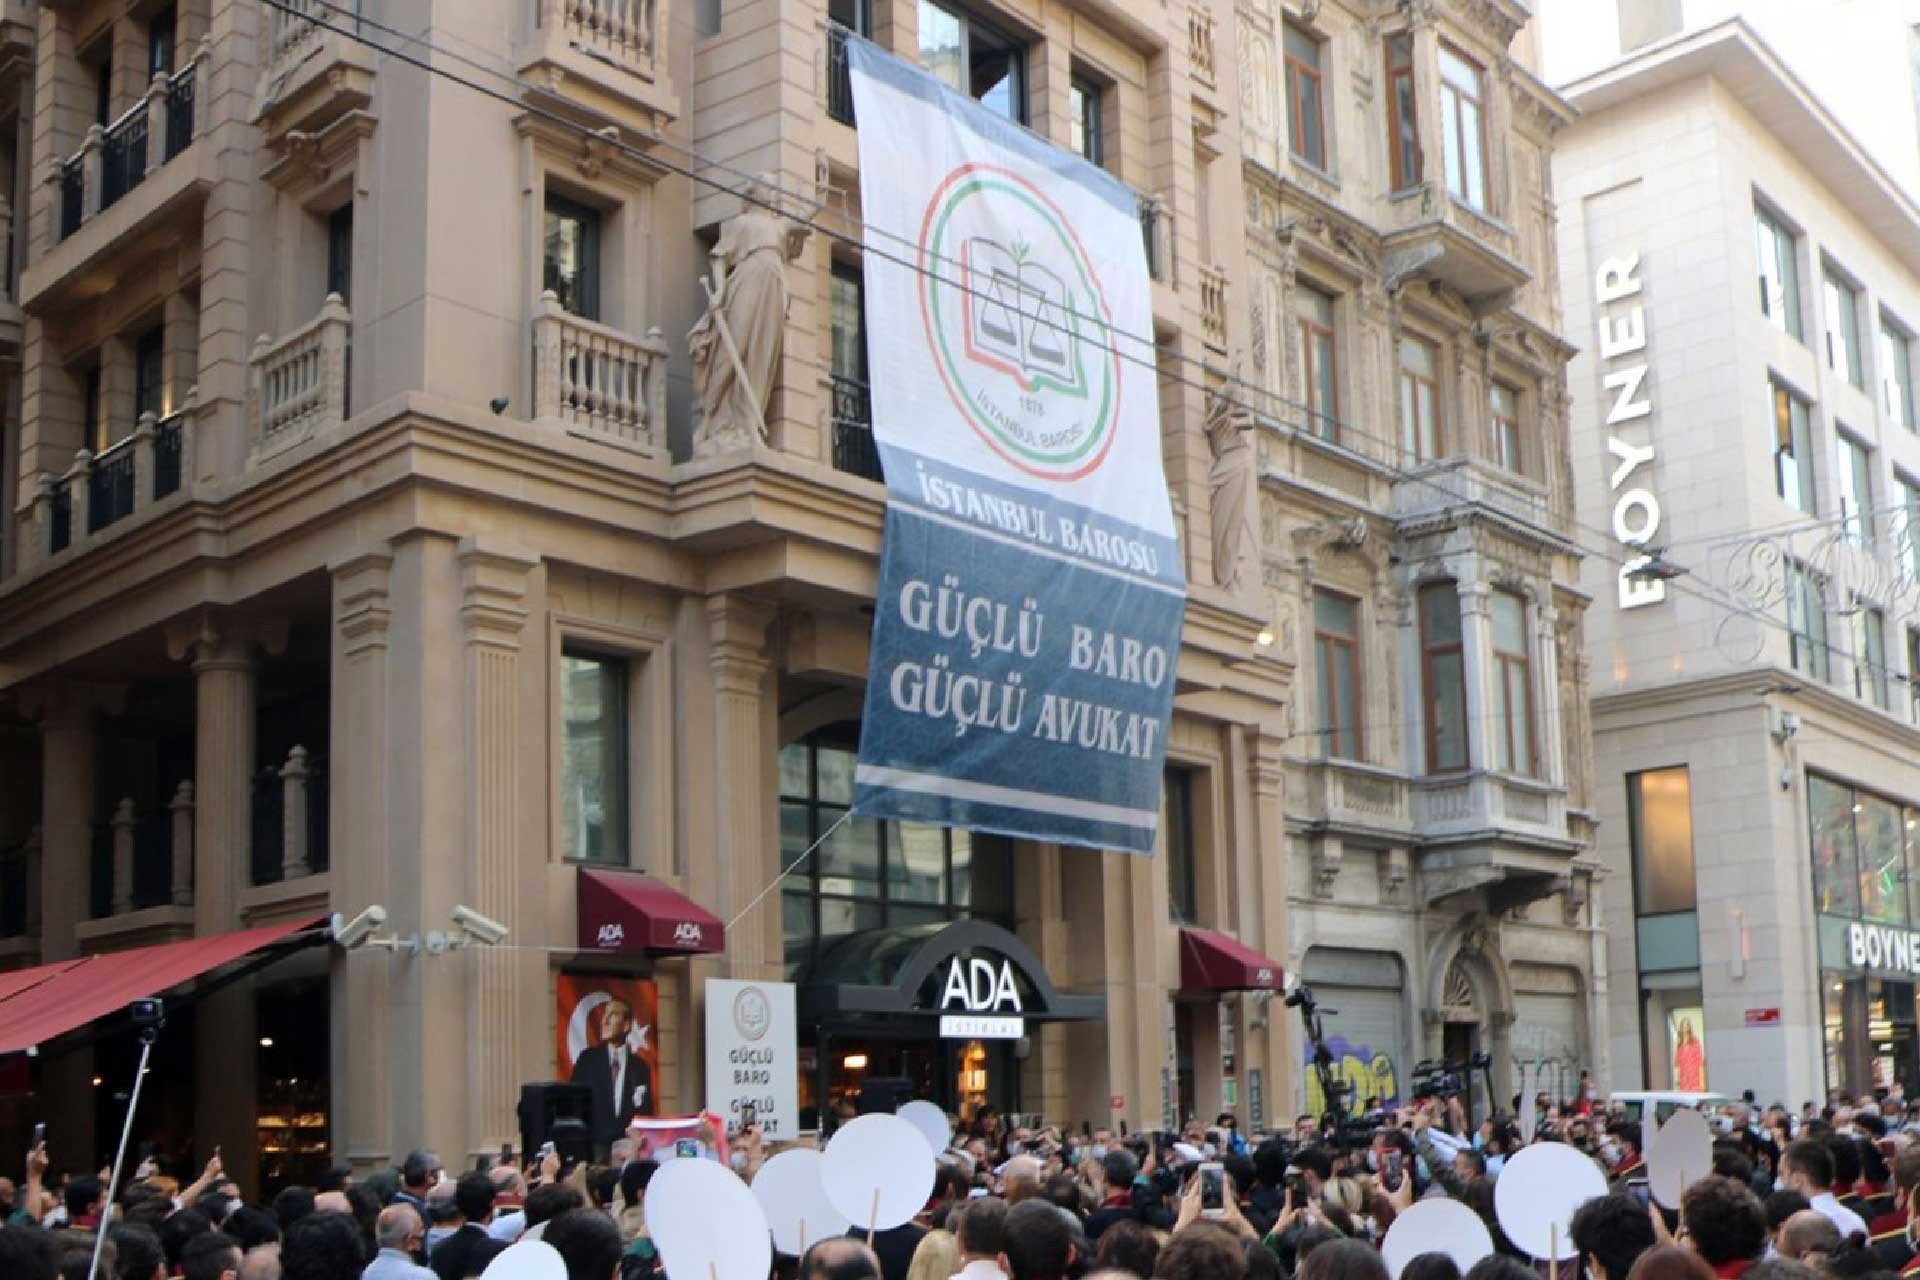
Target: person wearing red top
(1892, 1233)
(1725, 1223)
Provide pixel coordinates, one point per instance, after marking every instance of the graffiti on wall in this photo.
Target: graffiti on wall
(1366, 1071)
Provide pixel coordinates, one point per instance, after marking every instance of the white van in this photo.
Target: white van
(1662, 1103)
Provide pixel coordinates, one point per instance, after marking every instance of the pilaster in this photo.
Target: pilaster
(741, 667)
(1552, 764)
(69, 714)
(501, 988)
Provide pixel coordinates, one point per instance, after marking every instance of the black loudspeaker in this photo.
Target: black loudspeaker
(552, 1111)
(884, 1095)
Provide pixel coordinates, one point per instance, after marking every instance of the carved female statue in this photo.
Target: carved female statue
(1234, 488)
(736, 344)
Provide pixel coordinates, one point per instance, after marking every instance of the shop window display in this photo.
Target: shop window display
(1836, 883)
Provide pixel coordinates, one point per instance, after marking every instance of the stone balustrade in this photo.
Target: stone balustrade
(1213, 306)
(596, 380)
(139, 842)
(300, 383)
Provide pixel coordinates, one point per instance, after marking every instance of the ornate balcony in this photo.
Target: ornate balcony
(316, 71)
(117, 158)
(1433, 234)
(1494, 831)
(609, 54)
(596, 381)
(103, 490)
(141, 879)
(1355, 799)
(1442, 488)
(1213, 306)
(300, 383)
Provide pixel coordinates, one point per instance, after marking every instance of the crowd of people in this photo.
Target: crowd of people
(1827, 1194)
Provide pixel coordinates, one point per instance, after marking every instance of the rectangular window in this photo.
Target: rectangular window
(1443, 677)
(1869, 654)
(1183, 890)
(1905, 524)
(1336, 646)
(572, 266)
(1896, 374)
(160, 30)
(1843, 330)
(93, 410)
(99, 60)
(1913, 686)
(1403, 129)
(1320, 361)
(974, 58)
(1836, 863)
(593, 797)
(849, 321)
(1660, 830)
(1807, 620)
(1779, 262)
(1503, 405)
(340, 252)
(1419, 399)
(1306, 117)
(1083, 119)
(1463, 127)
(1513, 740)
(1792, 450)
(150, 373)
(1855, 476)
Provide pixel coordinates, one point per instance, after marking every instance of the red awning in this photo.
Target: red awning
(1212, 961)
(629, 911)
(38, 1004)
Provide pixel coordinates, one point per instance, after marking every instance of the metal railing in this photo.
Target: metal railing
(854, 451)
(181, 91)
(73, 193)
(169, 449)
(839, 80)
(123, 155)
(110, 487)
(60, 532)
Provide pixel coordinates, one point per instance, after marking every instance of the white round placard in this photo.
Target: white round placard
(877, 1171)
(1436, 1226)
(931, 1121)
(527, 1260)
(1680, 1154)
(790, 1191)
(706, 1223)
(1537, 1192)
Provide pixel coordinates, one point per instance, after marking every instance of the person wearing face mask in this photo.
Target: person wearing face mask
(1630, 1170)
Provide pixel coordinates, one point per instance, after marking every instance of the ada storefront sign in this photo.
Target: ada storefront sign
(980, 1001)
(753, 1056)
(1031, 588)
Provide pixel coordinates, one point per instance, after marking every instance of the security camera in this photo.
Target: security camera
(351, 933)
(1789, 725)
(499, 405)
(479, 927)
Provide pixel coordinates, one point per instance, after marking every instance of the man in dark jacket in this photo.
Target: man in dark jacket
(469, 1249)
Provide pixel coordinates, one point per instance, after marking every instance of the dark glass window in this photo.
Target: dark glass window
(1660, 829)
(92, 416)
(101, 63)
(870, 873)
(975, 59)
(593, 801)
(849, 323)
(572, 256)
(1183, 889)
(160, 41)
(1306, 116)
(1403, 130)
(150, 373)
(1083, 119)
(1443, 677)
(1336, 646)
(340, 252)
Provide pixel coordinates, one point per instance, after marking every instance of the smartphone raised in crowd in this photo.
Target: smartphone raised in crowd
(39, 1135)
(1213, 1189)
(749, 1116)
(1393, 1170)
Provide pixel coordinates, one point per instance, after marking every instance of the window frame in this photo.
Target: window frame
(1090, 119)
(969, 22)
(1326, 647)
(1183, 863)
(1508, 442)
(151, 345)
(618, 847)
(1428, 688)
(340, 252)
(1508, 665)
(1798, 450)
(1403, 117)
(1481, 200)
(1870, 654)
(1840, 300)
(1781, 240)
(848, 273)
(1321, 422)
(1410, 384)
(1298, 74)
(164, 21)
(1806, 596)
(1896, 372)
(592, 251)
(1636, 842)
(1853, 482)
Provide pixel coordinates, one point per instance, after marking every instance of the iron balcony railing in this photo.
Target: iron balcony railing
(123, 157)
(180, 96)
(839, 81)
(124, 149)
(169, 442)
(853, 449)
(110, 486)
(73, 193)
(60, 536)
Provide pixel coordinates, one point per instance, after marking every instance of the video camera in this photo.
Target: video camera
(1446, 1079)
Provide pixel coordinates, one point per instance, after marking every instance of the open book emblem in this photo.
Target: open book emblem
(1020, 318)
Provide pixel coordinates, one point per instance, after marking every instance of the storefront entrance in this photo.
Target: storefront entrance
(858, 1068)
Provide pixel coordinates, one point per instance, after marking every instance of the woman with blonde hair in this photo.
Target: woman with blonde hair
(936, 1257)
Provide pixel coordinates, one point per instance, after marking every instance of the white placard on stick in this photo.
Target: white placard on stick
(931, 1121)
(790, 1190)
(1436, 1226)
(1678, 1155)
(1535, 1197)
(527, 1260)
(706, 1223)
(878, 1171)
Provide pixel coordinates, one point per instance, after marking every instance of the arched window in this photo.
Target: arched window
(872, 874)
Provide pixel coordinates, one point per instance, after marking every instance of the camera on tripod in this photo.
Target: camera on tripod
(1443, 1080)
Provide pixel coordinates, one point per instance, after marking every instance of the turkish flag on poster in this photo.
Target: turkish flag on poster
(607, 1037)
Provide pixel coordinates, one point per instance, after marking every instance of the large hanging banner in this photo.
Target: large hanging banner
(1031, 591)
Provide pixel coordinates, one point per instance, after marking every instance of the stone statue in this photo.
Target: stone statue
(736, 344)
(1234, 487)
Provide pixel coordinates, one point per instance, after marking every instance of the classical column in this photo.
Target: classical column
(357, 828)
(1265, 754)
(1476, 651)
(69, 719)
(744, 851)
(1552, 766)
(493, 611)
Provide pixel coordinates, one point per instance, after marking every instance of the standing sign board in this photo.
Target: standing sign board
(753, 1055)
(1031, 589)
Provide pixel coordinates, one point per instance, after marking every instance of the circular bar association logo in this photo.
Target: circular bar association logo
(1018, 323)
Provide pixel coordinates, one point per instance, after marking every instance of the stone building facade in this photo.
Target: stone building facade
(360, 548)
(1402, 295)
